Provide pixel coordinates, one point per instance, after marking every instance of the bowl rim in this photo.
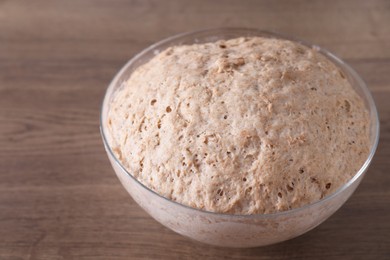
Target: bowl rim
(374, 117)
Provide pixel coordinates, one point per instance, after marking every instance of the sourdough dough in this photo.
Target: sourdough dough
(242, 126)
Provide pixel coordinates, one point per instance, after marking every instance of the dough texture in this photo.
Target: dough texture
(242, 126)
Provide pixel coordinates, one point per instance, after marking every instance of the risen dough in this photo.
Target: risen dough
(243, 126)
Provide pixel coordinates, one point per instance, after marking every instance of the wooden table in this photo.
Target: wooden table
(59, 197)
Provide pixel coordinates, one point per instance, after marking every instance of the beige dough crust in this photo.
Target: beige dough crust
(242, 126)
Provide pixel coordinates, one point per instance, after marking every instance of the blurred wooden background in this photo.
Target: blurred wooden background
(59, 197)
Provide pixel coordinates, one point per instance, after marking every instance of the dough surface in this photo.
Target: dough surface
(242, 126)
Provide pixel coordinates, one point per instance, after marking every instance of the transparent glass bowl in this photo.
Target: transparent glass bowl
(224, 229)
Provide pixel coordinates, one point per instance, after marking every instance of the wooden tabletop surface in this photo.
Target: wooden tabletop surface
(59, 197)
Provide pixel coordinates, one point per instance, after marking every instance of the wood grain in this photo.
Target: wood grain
(59, 197)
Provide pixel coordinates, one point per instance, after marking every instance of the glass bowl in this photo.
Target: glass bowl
(224, 229)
